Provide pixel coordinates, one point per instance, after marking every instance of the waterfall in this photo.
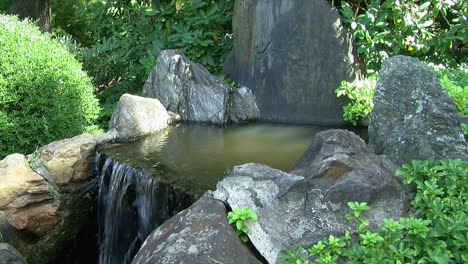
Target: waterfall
(131, 204)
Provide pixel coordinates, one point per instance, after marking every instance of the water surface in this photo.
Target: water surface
(196, 156)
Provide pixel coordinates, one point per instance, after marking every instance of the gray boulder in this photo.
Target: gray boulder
(302, 207)
(9, 255)
(413, 117)
(293, 55)
(340, 165)
(287, 217)
(137, 116)
(198, 235)
(242, 105)
(188, 89)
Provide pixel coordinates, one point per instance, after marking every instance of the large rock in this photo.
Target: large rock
(9, 255)
(286, 218)
(188, 89)
(68, 160)
(413, 117)
(339, 163)
(29, 203)
(198, 235)
(137, 116)
(46, 200)
(295, 210)
(293, 55)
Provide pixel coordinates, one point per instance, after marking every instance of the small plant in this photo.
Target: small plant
(293, 256)
(360, 94)
(239, 217)
(357, 209)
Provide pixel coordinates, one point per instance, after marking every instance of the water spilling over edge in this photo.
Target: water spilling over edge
(130, 206)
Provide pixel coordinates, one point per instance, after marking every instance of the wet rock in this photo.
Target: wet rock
(188, 89)
(293, 55)
(68, 160)
(304, 206)
(197, 235)
(413, 117)
(242, 105)
(137, 116)
(9, 255)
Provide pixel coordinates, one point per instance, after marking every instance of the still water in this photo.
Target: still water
(195, 156)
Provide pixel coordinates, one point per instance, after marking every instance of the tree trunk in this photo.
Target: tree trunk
(37, 10)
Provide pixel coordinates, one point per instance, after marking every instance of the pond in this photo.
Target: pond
(195, 156)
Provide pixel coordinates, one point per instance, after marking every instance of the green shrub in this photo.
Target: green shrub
(438, 235)
(44, 94)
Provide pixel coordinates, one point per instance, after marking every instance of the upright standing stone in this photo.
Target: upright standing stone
(413, 117)
(292, 55)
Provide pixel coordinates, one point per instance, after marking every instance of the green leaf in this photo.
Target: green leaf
(244, 238)
(424, 6)
(346, 10)
(245, 229)
(239, 224)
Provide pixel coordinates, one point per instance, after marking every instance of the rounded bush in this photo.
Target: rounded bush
(44, 94)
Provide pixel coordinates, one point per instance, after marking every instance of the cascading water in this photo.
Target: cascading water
(130, 206)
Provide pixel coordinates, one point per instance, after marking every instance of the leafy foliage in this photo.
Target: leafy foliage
(424, 28)
(44, 94)
(440, 235)
(4, 5)
(66, 22)
(239, 217)
(455, 82)
(360, 94)
(119, 40)
(128, 39)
